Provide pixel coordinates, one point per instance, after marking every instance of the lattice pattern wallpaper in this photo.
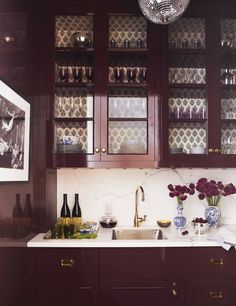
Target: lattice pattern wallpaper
(129, 28)
(80, 132)
(127, 137)
(188, 29)
(187, 136)
(73, 102)
(228, 30)
(66, 26)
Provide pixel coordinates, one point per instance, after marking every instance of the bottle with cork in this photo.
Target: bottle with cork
(76, 212)
(65, 210)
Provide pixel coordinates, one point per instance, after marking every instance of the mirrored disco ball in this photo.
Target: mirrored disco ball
(163, 11)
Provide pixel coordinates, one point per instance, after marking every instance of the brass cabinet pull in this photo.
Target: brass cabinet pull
(103, 150)
(96, 150)
(67, 263)
(216, 262)
(174, 292)
(216, 295)
(217, 150)
(211, 150)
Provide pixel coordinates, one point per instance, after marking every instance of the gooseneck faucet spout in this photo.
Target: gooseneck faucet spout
(138, 220)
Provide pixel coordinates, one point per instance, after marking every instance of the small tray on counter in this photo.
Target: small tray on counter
(87, 232)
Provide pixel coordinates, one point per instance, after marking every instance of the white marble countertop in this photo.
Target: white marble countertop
(213, 237)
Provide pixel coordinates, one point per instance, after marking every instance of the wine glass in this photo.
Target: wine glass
(63, 74)
(77, 74)
(131, 74)
(119, 74)
(143, 75)
(89, 74)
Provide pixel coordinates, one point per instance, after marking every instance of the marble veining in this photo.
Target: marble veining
(98, 187)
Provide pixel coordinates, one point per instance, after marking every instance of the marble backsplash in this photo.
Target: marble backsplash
(116, 187)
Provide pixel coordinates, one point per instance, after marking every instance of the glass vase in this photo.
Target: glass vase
(212, 215)
(179, 220)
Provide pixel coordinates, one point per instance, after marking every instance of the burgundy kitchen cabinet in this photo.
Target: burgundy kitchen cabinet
(211, 292)
(138, 293)
(65, 276)
(198, 88)
(102, 109)
(135, 277)
(137, 94)
(187, 276)
(13, 276)
(208, 273)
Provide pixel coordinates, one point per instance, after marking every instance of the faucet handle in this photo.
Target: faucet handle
(141, 220)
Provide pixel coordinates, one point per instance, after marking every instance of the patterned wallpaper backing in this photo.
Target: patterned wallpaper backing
(129, 28)
(187, 30)
(66, 26)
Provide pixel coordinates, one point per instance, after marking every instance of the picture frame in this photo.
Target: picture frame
(14, 135)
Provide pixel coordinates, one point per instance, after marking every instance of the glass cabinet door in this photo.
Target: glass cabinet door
(74, 87)
(228, 86)
(127, 121)
(128, 105)
(14, 52)
(187, 100)
(73, 116)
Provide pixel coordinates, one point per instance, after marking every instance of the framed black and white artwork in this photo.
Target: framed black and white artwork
(14, 135)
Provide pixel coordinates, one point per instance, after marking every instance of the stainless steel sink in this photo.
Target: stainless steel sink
(137, 234)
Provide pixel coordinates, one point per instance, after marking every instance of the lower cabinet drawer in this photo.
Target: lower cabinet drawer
(134, 261)
(210, 292)
(59, 263)
(140, 293)
(213, 260)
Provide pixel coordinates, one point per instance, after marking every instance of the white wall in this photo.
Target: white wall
(117, 186)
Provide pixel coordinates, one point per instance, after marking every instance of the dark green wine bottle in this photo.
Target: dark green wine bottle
(65, 210)
(76, 212)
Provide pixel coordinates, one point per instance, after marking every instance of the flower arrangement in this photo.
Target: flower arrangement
(212, 191)
(181, 192)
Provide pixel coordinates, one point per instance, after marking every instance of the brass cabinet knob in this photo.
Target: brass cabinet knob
(96, 150)
(67, 263)
(103, 150)
(216, 262)
(217, 150)
(216, 295)
(211, 150)
(174, 292)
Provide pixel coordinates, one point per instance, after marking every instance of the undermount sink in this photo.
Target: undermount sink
(137, 234)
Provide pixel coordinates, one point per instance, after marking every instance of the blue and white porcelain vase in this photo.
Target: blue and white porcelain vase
(213, 214)
(179, 220)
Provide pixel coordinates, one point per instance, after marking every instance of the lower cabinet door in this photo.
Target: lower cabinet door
(82, 296)
(211, 292)
(140, 294)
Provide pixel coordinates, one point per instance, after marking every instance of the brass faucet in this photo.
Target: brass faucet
(138, 220)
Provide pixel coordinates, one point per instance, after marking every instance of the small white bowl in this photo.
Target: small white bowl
(199, 228)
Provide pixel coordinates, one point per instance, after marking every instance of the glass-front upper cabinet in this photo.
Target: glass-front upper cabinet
(228, 86)
(74, 90)
(187, 89)
(129, 109)
(14, 55)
